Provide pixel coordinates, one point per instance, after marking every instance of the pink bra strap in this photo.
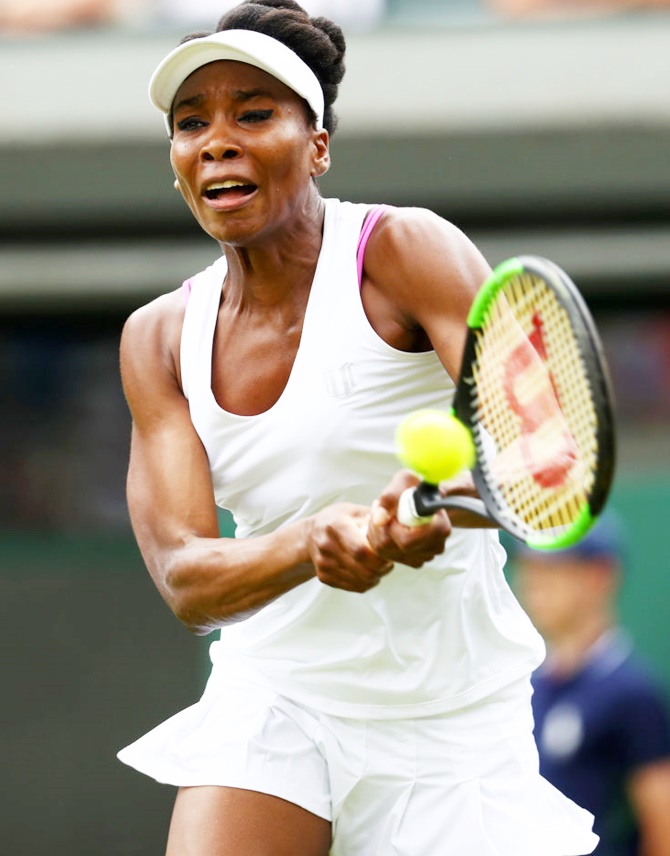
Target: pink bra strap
(366, 231)
(186, 290)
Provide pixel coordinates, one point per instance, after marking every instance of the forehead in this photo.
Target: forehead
(547, 568)
(232, 79)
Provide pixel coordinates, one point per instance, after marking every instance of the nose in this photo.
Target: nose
(220, 146)
(224, 153)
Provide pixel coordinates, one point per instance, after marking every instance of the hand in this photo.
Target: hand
(409, 545)
(340, 551)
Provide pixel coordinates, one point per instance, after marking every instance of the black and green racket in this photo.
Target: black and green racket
(535, 394)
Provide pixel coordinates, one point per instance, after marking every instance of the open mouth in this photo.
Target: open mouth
(229, 189)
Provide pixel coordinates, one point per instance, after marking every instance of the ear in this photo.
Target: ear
(321, 153)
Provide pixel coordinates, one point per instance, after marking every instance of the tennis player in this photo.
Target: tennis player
(370, 683)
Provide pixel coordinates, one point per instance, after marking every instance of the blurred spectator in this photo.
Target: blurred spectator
(40, 16)
(601, 723)
(354, 13)
(31, 16)
(570, 8)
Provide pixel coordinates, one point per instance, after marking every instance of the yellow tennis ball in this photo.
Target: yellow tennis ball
(434, 444)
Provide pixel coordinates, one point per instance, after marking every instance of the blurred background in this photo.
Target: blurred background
(537, 126)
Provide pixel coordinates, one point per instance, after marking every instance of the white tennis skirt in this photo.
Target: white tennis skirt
(464, 783)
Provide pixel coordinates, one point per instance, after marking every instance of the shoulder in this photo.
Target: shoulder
(424, 272)
(162, 317)
(631, 698)
(415, 245)
(635, 679)
(641, 709)
(410, 229)
(151, 336)
(153, 322)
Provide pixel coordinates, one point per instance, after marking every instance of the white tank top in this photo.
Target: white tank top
(422, 641)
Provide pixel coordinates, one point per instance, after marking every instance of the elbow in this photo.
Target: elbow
(190, 612)
(195, 602)
(200, 623)
(195, 623)
(185, 598)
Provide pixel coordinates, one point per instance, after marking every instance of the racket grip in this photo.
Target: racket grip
(407, 513)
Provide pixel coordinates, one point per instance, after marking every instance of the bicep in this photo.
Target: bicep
(169, 488)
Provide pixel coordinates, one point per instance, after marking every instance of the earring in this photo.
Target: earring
(176, 184)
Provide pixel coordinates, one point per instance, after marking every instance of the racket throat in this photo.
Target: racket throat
(427, 499)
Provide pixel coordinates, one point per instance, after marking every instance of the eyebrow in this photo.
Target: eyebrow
(194, 101)
(248, 94)
(239, 95)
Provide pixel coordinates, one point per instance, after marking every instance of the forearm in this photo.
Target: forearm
(654, 842)
(209, 582)
(649, 792)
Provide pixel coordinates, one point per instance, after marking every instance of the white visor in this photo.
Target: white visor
(247, 46)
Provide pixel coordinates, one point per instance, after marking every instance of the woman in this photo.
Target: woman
(370, 689)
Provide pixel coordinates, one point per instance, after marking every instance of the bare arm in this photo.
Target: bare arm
(206, 580)
(421, 275)
(649, 792)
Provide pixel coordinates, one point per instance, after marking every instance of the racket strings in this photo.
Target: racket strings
(536, 406)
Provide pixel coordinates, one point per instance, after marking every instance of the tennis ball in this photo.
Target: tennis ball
(434, 444)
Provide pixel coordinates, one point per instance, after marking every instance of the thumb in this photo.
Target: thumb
(379, 515)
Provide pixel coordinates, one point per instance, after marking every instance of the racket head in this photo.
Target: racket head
(545, 483)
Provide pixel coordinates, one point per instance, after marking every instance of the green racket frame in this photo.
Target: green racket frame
(493, 506)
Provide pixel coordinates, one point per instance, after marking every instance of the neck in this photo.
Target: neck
(279, 261)
(569, 650)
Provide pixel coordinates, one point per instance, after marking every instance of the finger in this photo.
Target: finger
(353, 577)
(388, 498)
(379, 515)
(377, 530)
(435, 531)
(354, 585)
(349, 561)
(363, 555)
(420, 544)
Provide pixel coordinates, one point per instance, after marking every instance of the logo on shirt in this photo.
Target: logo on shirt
(340, 381)
(563, 731)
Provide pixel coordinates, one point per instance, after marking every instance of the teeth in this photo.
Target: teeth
(224, 185)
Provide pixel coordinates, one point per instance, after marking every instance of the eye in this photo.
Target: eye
(253, 116)
(191, 123)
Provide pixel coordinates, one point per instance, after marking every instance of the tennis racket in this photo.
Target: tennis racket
(535, 393)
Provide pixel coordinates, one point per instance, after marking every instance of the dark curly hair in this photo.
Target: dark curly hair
(319, 42)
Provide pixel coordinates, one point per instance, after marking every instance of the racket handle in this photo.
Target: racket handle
(407, 513)
(418, 504)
